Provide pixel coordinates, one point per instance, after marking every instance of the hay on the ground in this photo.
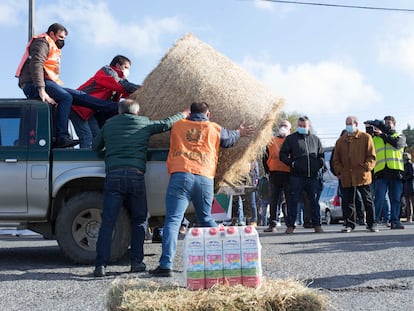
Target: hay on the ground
(137, 294)
(193, 71)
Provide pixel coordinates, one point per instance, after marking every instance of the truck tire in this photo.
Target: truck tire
(77, 228)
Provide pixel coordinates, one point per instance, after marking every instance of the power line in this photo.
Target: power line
(344, 6)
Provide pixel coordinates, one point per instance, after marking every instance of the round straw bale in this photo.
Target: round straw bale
(193, 71)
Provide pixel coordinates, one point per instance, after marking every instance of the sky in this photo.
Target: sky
(327, 62)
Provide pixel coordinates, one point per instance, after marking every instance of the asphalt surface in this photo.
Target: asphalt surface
(356, 271)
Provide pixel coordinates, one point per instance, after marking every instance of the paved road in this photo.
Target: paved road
(357, 271)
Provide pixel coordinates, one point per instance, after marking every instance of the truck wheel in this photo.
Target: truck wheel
(77, 228)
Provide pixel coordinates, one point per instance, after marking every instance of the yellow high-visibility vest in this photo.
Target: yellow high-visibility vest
(387, 155)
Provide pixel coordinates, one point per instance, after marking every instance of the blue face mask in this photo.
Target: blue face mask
(302, 130)
(350, 129)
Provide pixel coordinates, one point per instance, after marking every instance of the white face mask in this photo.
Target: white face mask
(125, 71)
(283, 131)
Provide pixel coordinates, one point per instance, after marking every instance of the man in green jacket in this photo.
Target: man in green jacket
(125, 138)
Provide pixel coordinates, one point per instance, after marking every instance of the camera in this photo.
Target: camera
(379, 124)
(369, 129)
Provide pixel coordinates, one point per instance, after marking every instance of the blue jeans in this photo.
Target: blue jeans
(62, 97)
(86, 130)
(81, 98)
(253, 207)
(123, 185)
(299, 216)
(182, 189)
(297, 185)
(240, 211)
(394, 187)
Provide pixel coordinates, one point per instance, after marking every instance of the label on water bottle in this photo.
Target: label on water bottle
(213, 251)
(232, 257)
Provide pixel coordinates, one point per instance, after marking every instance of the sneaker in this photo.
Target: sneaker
(278, 224)
(318, 229)
(183, 229)
(289, 230)
(253, 224)
(361, 222)
(388, 224)
(99, 271)
(161, 272)
(397, 226)
(138, 267)
(270, 229)
(347, 229)
(373, 228)
(157, 235)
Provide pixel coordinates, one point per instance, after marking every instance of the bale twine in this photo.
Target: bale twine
(193, 71)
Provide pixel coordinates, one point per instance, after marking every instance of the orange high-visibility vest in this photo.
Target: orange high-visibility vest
(52, 63)
(194, 147)
(273, 161)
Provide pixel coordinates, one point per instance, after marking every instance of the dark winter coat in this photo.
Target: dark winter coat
(303, 154)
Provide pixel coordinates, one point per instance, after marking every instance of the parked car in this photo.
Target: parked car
(330, 203)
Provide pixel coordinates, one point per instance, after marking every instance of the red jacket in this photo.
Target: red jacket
(108, 83)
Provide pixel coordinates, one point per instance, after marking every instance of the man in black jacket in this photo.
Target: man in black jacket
(303, 153)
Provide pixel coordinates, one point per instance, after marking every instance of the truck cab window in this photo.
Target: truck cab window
(10, 125)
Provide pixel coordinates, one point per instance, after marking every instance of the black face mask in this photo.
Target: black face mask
(60, 43)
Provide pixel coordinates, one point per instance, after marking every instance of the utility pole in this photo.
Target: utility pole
(31, 19)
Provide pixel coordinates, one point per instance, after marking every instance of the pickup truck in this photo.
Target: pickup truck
(58, 192)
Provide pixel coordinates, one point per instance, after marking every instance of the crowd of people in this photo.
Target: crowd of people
(370, 165)
(372, 169)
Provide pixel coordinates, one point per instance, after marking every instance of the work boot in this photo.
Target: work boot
(138, 267)
(270, 229)
(318, 229)
(66, 142)
(289, 230)
(397, 225)
(99, 271)
(157, 235)
(373, 228)
(161, 272)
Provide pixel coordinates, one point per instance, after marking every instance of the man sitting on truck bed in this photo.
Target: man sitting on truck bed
(38, 74)
(110, 83)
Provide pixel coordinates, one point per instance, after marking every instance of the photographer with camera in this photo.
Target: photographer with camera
(388, 171)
